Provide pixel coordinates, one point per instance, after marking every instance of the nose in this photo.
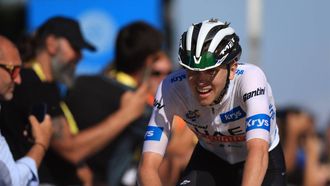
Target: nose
(18, 79)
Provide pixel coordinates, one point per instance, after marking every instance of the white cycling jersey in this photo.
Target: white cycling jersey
(246, 111)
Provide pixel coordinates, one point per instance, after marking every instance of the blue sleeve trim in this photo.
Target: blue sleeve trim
(153, 133)
(258, 121)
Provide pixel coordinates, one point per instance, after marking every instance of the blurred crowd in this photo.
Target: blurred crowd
(94, 128)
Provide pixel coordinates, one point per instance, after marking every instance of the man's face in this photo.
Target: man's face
(64, 61)
(160, 68)
(10, 63)
(207, 85)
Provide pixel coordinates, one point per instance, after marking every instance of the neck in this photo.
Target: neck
(45, 62)
(224, 91)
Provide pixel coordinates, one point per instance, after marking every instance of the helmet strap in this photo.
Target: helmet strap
(224, 91)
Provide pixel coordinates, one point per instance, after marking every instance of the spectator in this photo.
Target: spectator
(58, 44)
(138, 46)
(182, 140)
(301, 147)
(24, 170)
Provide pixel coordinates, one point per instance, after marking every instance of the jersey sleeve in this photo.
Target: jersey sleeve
(158, 129)
(254, 92)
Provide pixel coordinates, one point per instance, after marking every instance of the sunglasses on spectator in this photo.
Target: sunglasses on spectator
(13, 70)
(159, 73)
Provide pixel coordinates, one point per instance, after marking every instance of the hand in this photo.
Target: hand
(298, 124)
(312, 145)
(133, 103)
(41, 132)
(85, 175)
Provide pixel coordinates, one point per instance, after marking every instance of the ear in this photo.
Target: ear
(51, 44)
(232, 70)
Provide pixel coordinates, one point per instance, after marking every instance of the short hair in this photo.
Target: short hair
(135, 42)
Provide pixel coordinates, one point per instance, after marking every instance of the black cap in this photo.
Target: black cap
(67, 28)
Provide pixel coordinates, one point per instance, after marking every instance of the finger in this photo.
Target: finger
(47, 119)
(143, 89)
(33, 120)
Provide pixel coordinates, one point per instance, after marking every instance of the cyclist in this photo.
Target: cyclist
(228, 105)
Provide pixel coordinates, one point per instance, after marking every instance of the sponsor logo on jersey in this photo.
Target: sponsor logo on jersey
(236, 135)
(178, 78)
(193, 115)
(239, 72)
(158, 104)
(232, 115)
(259, 91)
(222, 139)
(258, 121)
(272, 111)
(153, 133)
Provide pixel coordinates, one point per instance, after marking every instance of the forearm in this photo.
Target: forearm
(89, 141)
(256, 163)
(290, 149)
(149, 178)
(37, 153)
(148, 174)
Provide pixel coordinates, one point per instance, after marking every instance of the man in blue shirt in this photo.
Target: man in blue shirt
(24, 170)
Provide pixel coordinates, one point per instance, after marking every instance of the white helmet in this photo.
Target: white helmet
(207, 45)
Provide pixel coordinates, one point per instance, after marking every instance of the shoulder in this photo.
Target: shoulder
(176, 80)
(29, 76)
(96, 85)
(173, 88)
(248, 72)
(247, 69)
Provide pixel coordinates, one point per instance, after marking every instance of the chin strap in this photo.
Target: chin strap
(224, 91)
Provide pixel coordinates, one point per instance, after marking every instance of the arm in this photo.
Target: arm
(296, 126)
(75, 148)
(256, 162)
(148, 169)
(315, 173)
(42, 134)
(290, 148)
(178, 152)
(24, 170)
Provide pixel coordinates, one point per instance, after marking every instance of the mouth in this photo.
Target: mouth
(203, 91)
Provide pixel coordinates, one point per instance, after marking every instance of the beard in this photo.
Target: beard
(8, 94)
(63, 72)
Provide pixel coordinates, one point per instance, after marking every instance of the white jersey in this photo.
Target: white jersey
(246, 111)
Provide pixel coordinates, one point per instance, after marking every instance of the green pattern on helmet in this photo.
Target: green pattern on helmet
(207, 60)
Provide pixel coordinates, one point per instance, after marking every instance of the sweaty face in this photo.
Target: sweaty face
(9, 72)
(64, 62)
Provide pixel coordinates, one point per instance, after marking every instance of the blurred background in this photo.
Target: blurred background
(289, 40)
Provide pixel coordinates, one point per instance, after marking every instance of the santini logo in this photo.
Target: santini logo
(259, 91)
(158, 104)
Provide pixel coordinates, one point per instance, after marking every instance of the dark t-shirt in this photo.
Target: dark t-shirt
(14, 119)
(91, 100)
